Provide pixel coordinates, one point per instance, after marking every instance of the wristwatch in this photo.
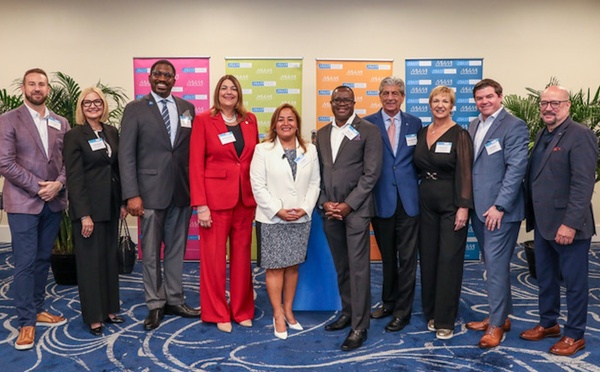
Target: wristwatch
(500, 208)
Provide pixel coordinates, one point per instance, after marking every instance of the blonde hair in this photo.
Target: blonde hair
(79, 116)
(444, 91)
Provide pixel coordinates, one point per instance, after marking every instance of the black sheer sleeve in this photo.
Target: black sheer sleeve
(463, 176)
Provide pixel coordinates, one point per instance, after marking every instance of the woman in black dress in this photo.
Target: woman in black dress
(90, 155)
(444, 158)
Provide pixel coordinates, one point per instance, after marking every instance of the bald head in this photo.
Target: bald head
(554, 106)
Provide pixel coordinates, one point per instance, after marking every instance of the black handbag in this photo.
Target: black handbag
(127, 249)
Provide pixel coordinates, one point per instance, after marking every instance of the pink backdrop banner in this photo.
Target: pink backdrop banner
(192, 84)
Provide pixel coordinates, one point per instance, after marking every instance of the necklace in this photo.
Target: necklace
(229, 120)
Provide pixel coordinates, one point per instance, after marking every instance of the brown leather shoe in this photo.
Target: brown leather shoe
(382, 312)
(540, 333)
(493, 337)
(567, 346)
(26, 338)
(483, 325)
(46, 319)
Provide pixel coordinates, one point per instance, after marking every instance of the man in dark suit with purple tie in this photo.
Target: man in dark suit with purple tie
(31, 141)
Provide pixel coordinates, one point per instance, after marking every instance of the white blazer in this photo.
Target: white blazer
(274, 187)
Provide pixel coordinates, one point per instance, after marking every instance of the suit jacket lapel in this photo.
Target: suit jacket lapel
(493, 128)
(355, 123)
(552, 145)
(326, 155)
(155, 109)
(381, 124)
(29, 124)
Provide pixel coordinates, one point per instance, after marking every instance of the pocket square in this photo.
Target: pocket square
(556, 148)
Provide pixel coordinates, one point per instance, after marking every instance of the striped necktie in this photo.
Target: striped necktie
(165, 116)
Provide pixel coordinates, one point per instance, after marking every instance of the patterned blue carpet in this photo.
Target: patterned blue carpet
(186, 344)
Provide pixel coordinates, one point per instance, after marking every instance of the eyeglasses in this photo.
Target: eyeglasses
(342, 101)
(96, 102)
(553, 104)
(167, 75)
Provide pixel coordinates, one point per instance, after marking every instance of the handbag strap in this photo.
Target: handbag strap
(123, 228)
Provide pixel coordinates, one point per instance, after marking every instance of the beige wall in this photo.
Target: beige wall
(523, 43)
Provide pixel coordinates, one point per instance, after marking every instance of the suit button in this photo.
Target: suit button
(395, 168)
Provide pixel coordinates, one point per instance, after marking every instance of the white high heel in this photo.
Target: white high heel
(279, 335)
(296, 326)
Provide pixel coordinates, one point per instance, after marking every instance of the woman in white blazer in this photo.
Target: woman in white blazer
(285, 179)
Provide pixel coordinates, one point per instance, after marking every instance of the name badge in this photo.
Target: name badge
(54, 123)
(493, 146)
(411, 140)
(443, 147)
(226, 138)
(185, 121)
(97, 144)
(301, 160)
(350, 132)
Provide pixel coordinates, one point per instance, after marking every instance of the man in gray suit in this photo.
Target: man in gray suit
(500, 146)
(560, 181)
(153, 160)
(350, 151)
(31, 139)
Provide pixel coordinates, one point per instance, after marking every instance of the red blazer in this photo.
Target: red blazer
(217, 174)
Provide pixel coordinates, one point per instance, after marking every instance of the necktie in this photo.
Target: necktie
(165, 116)
(392, 132)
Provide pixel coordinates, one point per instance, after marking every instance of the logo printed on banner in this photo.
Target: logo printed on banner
(376, 79)
(195, 83)
(247, 91)
(372, 93)
(466, 89)
(467, 82)
(200, 97)
(355, 85)
(287, 65)
(330, 79)
(287, 91)
(264, 97)
(443, 63)
(375, 105)
(418, 82)
(419, 90)
(354, 72)
(263, 109)
(443, 82)
(326, 105)
(324, 92)
(465, 101)
(469, 71)
(288, 77)
(419, 108)
(469, 63)
(325, 119)
(243, 77)
(418, 63)
(144, 83)
(142, 70)
(194, 70)
(444, 71)
(379, 67)
(468, 109)
(293, 103)
(268, 71)
(264, 83)
(239, 64)
(331, 66)
(418, 71)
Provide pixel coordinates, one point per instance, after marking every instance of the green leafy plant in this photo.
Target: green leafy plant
(62, 99)
(585, 109)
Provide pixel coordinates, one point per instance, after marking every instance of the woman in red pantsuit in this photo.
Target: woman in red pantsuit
(221, 150)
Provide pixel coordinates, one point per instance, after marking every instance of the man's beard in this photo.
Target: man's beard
(34, 101)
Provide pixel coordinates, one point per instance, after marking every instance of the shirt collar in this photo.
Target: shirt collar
(492, 116)
(34, 114)
(158, 98)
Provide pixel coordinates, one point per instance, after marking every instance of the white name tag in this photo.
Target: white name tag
(350, 132)
(443, 147)
(97, 144)
(301, 160)
(54, 123)
(186, 121)
(493, 146)
(411, 140)
(226, 138)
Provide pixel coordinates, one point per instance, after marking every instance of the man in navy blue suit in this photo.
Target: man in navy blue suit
(500, 143)
(560, 181)
(396, 204)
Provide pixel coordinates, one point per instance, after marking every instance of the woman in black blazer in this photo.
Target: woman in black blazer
(90, 155)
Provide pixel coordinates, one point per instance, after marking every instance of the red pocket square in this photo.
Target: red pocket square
(556, 149)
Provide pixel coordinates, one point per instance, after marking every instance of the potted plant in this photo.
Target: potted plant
(62, 99)
(585, 109)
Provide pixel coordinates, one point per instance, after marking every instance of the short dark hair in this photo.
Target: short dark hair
(342, 87)
(163, 62)
(34, 71)
(488, 83)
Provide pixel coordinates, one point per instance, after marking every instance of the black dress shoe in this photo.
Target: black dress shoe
(382, 312)
(340, 323)
(96, 331)
(182, 310)
(396, 324)
(153, 319)
(355, 339)
(115, 320)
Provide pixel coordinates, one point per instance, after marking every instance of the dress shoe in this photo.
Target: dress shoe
(224, 327)
(246, 323)
(539, 333)
(382, 312)
(340, 323)
(355, 339)
(279, 335)
(431, 325)
(493, 337)
(49, 320)
(396, 324)
(153, 319)
(26, 338)
(567, 346)
(296, 326)
(444, 334)
(483, 325)
(97, 331)
(115, 319)
(182, 310)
